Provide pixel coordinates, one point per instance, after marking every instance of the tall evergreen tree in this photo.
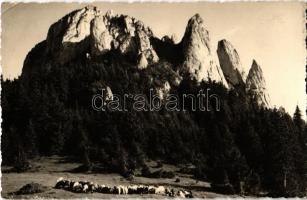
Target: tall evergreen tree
(298, 121)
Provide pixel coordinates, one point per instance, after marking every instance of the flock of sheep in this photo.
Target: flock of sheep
(85, 187)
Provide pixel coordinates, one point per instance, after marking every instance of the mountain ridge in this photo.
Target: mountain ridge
(90, 33)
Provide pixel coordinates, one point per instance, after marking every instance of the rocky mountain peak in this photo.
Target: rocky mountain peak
(199, 61)
(88, 29)
(230, 63)
(87, 32)
(255, 67)
(256, 86)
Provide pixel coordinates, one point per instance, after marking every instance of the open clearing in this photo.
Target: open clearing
(48, 169)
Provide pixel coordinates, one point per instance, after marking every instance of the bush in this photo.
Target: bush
(189, 170)
(159, 164)
(31, 188)
(145, 171)
(22, 166)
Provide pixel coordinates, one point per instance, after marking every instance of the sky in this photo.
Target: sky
(272, 33)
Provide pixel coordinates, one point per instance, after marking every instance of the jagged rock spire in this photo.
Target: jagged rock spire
(198, 58)
(230, 64)
(256, 86)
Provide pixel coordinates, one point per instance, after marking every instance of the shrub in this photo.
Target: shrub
(31, 188)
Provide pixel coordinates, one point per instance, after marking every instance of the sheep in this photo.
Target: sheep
(184, 194)
(142, 189)
(84, 183)
(99, 188)
(181, 194)
(60, 183)
(160, 190)
(188, 194)
(123, 189)
(75, 184)
(120, 190)
(115, 190)
(93, 187)
(77, 187)
(106, 189)
(60, 179)
(71, 185)
(66, 184)
(151, 190)
(170, 192)
(145, 189)
(85, 188)
(119, 187)
(132, 189)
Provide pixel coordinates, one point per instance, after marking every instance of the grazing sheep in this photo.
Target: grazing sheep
(181, 194)
(188, 194)
(60, 179)
(115, 190)
(120, 189)
(84, 183)
(71, 185)
(123, 189)
(184, 194)
(151, 190)
(77, 187)
(126, 189)
(66, 184)
(145, 188)
(60, 183)
(109, 189)
(100, 188)
(132, 189)
(106, 189)
(160, 190)
(85, 188)
(170, 192)
(93, 187)
(141, 189)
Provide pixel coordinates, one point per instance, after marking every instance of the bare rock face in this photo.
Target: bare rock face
(88, 29)
(142, 62)
(164, 90)
(101, 38)
(68, 37)
(109, 94)
(230, 64)
(198, 58)
(255, 85)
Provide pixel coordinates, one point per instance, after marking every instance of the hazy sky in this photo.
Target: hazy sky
(271, 33)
